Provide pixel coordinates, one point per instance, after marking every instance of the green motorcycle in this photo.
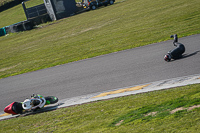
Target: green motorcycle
(36, 102)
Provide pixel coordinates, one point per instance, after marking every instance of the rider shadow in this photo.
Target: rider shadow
(187, 55)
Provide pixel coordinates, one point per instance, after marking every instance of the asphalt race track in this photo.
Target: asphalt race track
(116, 70)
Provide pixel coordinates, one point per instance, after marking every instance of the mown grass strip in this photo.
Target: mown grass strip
(147, 112)
(124, 25)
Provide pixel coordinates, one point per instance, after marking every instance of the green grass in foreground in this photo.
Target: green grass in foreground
(147, 112)
(126, 24)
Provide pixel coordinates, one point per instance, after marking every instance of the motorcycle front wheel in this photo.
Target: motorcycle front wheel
(51, 100)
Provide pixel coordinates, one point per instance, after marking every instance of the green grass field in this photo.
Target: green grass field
(148, 112)
(126, 24)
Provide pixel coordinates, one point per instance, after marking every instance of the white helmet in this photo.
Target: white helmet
(27, 104)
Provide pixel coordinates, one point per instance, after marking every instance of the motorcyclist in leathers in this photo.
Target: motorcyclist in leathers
(177, 52)
(34, 103)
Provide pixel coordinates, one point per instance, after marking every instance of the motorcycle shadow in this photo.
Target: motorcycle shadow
(45, 109)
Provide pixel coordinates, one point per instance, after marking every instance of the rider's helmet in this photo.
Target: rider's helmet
(27, 104)
(167, 57)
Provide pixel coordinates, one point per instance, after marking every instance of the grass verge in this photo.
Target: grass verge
(126, 24)
(135, 113)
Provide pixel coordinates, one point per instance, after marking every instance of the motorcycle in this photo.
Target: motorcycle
(16, 107)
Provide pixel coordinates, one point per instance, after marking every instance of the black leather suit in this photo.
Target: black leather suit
(178, 51)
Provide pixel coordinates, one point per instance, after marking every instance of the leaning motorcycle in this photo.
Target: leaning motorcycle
(16, 107)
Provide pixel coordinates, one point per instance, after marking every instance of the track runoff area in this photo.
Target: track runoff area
(130, 90)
